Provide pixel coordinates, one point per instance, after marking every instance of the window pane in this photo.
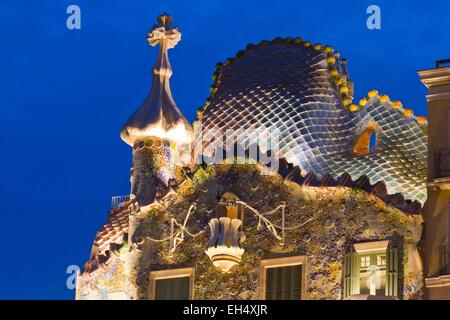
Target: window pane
(365, 261)
(372, 274)
(381, 260)
(172, 289)
(283, 283)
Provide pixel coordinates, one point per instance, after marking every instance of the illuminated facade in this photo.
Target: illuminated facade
(338, 218)
(436, 211)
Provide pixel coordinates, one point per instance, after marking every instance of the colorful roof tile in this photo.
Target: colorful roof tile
(295, 87)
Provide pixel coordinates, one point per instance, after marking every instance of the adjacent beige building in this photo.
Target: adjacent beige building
(436, 211)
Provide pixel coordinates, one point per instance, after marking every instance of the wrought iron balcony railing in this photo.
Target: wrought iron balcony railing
(443, 63)
(117, 200)
(442, 163)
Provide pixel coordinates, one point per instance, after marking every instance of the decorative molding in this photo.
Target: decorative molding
(435, 77)
(436, 282)
(442, 183)
(373, 246)
(438, 96)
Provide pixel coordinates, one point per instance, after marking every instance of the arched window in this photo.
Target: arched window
(366, 142)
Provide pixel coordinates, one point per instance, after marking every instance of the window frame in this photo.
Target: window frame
(282, 262)
(351, 267)
(171, 274)
(373, 262)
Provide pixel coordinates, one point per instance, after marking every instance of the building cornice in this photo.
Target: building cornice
(441, 281)
(438, 96)
(435, 77)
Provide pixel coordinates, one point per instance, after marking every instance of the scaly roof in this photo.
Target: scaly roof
(303, 91)
(112, 232)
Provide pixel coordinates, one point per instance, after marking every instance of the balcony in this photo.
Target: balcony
(442, 63)
(442, 163)
(441, 169)
(118, 201)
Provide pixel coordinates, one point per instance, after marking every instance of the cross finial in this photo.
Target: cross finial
(159, 115)
(165, 20)
(161, 32)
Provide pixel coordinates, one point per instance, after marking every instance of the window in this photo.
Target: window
(283, 283)
(365, 262)
(175, 284)
(381, 260)
(366, 142)
(371, 269)
(283, 278)
(372, 274)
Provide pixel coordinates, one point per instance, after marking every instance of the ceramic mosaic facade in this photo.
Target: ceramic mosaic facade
(335, 219)
(330, 208)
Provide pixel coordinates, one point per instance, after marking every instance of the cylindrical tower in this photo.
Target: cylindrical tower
(160, 137)
(158, 132)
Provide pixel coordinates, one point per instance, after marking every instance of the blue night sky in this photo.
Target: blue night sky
(65, 95)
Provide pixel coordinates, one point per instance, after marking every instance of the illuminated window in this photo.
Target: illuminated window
(175, 284)
(371, 268)
(283, 278)
(365, 262)
(381, 260)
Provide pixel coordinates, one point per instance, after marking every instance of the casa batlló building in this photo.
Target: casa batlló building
(353, 203)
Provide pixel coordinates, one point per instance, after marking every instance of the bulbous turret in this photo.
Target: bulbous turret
(158, 132)
(159, 116)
